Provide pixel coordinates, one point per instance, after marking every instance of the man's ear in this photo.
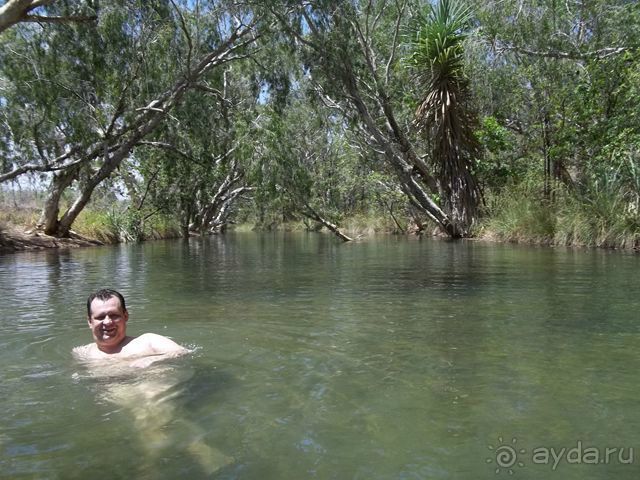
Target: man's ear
(126, 315)
(89, 321)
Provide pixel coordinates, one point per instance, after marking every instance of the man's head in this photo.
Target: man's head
(104, 294)
(107, 317)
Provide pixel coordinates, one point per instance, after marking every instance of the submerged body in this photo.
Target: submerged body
(150, 396)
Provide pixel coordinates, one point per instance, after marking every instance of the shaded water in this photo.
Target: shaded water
(394, 358)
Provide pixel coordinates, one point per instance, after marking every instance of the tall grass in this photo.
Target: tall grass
(602, 212)
(519, 213)
(123, 225)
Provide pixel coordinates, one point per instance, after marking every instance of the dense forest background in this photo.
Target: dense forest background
(513, 119)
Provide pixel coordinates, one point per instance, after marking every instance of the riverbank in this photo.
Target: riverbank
(14, 238)
(93, 228)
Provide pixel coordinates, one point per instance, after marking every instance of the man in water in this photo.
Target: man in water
(107, 317)
(150, 395)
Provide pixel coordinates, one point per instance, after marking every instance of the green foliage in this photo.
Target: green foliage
(519, 213)
(122, 224)
(556, 84)
(98, 225)
(306, 161)
(497, 166)
(603, 214)
(436, 40)
(436, 54)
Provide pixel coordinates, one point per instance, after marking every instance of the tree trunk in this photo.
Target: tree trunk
(15, 11)
(216, 203)
(312, 214)
(220, 221)
(119, 146)
(185, 218)
(48, 221)
(399, 154)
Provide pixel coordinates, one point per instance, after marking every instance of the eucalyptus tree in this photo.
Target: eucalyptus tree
(351, 51)
(304, 162)
(107, 88)
(436, 55)
(561, 76)
(196, 164)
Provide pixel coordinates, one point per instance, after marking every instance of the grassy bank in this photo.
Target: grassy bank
(605, 216)
(17, 228)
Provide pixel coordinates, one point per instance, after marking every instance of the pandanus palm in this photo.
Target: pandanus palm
(436, 55)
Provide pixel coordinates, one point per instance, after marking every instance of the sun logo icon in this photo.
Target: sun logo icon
(506, 456)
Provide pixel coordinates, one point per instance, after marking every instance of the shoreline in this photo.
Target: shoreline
(19, 239)
(15, 239)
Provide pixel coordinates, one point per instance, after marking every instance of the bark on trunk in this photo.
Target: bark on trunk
(15, 11)
(119, 145)
(221, 219)
(395, 153)
(48, 221)
(312, 214)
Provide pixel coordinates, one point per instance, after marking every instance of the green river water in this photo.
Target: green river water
(390, 358)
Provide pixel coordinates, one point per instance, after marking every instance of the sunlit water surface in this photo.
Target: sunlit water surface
(391, 358)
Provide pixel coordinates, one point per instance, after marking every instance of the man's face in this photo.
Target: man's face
(108, 323)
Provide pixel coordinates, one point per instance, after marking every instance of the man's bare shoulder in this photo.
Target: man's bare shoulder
(153, 344)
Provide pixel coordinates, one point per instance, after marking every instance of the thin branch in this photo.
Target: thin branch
(75, 19)
(311, 213)
(214, 91)
(365, 44)
(598, 54)
(394, 43)
(33, 167)
(290, 30)
(183, 25)
(377, 18)
(146, 190)
(171, 148)
(366, 18)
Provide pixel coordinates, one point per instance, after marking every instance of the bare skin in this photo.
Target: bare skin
(149, 396)
(108, 324)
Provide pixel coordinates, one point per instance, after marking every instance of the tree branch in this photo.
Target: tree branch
(598, 54)
(183, 25)
(16, 11)
(74, 19)
(55, 164)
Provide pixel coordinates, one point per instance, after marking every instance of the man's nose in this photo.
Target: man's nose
(107, 319)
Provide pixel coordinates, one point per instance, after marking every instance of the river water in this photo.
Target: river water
(390, 358)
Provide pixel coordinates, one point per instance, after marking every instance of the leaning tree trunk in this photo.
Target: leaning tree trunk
(48, 221)
(221, 219)
(186, 208)
(64, 225)
(398, 152)
(314, 215)
(376, 117)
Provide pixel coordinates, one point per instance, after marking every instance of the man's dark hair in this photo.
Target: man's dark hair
(104, 295)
